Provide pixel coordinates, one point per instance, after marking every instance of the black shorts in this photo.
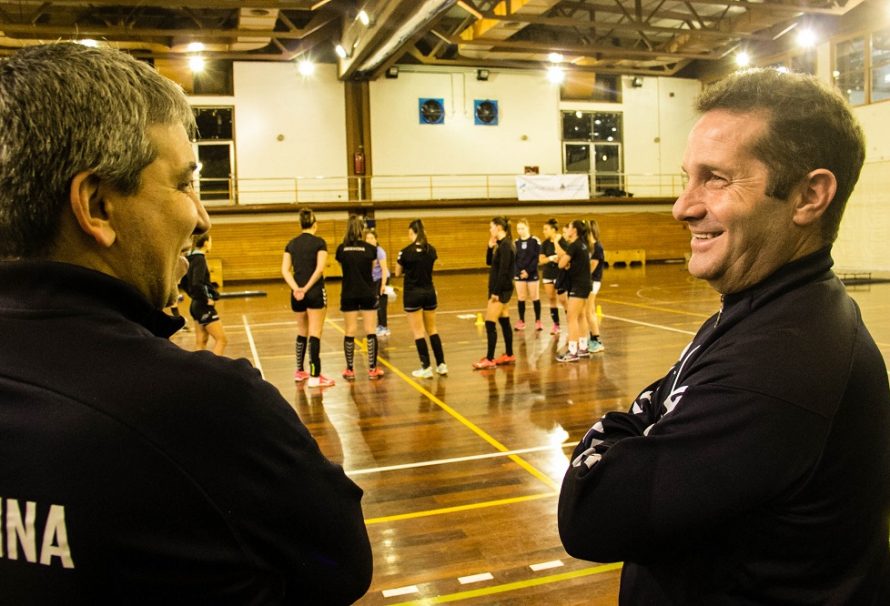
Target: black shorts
(503, 297)
(202, 313)
(531, 278)
(316, 298)
(579, 292)
(562, 283)
(415, 300)
(358, 304)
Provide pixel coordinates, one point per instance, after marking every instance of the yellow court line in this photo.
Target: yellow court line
(463, 420)
(475, 593)
(468, 507)
(653, 308)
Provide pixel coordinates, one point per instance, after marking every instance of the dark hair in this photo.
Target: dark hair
(594, 229)
(417, 227)
(583, 230)
(553, 223)
(200, 240)
(504, 222)
(307, 218)
(65, 109)
(355, 227)
(810, 126)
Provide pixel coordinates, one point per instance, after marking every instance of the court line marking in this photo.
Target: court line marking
(483, 591)
(658, 326)
(468, 507)
(475, 578)
(463, 420)
(253, 349)
(653, 308)
(391, 593)
(490, 455)
(546, 565)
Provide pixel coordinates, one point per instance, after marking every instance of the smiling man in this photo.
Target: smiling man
(758, 470)
(131, 471)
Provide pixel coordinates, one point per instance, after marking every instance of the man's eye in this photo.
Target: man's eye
(187, 186)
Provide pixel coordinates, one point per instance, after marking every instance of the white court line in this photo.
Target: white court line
(659, 326)
(390, 593)
(546, 565)
(475, 578)
(490, 455)
(253, 350)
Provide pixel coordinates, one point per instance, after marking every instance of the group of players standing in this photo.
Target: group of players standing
(571, 268)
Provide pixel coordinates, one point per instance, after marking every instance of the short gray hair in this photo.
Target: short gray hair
(66, 108)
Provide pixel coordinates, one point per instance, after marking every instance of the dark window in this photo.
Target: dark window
(214, 123)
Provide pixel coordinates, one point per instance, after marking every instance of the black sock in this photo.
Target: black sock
(422, 351)
(554, 314)
(537, 306)
(349, 350)
(491, 331)
(301, 350)
(594, 337)
(314, 356)
(521, 307)
(508, 335)
(436, 342)
(372, 352)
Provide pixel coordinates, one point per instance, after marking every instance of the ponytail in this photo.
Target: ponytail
(420, 234)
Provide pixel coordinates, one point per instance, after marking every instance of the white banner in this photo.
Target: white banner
(553, 187)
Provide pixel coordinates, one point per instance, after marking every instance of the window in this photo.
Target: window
(880, 65)
(587, 86)
(849, 69)
(215, 150)
(592, 144)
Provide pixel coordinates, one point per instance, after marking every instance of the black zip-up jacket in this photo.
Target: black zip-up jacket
(155, 475)
(758, 470)
(500, 260)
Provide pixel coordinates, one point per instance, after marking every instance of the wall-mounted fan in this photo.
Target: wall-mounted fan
(485, 112)
(431, 111)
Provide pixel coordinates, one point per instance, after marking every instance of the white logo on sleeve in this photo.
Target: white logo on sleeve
(20, 532)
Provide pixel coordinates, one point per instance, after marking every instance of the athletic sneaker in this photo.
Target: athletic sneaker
(423, 373)
(539, 326)
(583, 353)
(520, 325)
(442, 369)
(382, 331)
(349, 374)
(484, 363)
(567, 357)
(300, 376)
(504, 359)
(596, 346)
(320, 381)
(376, 373)
(555, 329)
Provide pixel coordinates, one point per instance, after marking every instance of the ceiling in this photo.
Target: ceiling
(645, 37)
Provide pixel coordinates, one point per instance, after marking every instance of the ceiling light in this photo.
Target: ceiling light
(482, 74)
(363, 18)
(782, 69)
(392, 72)
(556, 75)
(806, 38)
(341, 52)
(306, 67)
(742, 59)
(88, 42)
(197, 63)
(195, 47)
(555, 58)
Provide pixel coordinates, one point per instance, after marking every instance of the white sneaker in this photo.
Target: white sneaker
(320, 381)
(423, 373)
(442, 369)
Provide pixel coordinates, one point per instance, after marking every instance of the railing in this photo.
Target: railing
(318, 190)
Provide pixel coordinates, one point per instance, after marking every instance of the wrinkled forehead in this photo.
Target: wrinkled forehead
(721, 133)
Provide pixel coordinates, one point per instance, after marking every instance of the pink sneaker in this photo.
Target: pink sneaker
(300, 376)
(484, 363)
(555, 329)
(320, 381)
(349, 374)
(539, 326)
(375, 373)
(504, 359)
(520, 325)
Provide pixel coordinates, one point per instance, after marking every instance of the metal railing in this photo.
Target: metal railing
(319, 190)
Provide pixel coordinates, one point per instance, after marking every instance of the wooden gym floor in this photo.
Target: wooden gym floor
(461, 473)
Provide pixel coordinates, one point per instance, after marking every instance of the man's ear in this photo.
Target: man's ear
(90, 208)
(817, 192)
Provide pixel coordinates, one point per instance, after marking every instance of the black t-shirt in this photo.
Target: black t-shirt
(357, 260)
(417, 262)
(550, 268)
(501, 259)
(579, 266)
(600, 255)
(303, 251)
(527, 252)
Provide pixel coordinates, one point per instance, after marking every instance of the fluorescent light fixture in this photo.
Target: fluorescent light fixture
(555, 58)
(806, 38)
(341, 52)
(363, 18)
(195, 47)
(743, 59)
(556, 75)
(306, 67)
(427, 12)
(88, 42)
(197, 63)
(782, 69)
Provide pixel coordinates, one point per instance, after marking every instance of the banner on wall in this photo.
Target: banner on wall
(553, 187)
